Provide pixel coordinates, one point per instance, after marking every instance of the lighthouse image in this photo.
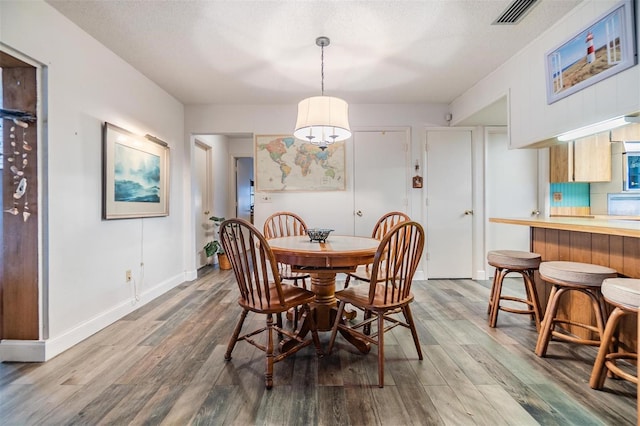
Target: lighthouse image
(591, 51)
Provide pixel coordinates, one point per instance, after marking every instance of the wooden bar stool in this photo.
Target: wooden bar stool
(523, 263)
(624, 294)
(565, 277)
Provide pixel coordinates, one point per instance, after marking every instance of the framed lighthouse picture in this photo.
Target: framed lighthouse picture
(603, 48)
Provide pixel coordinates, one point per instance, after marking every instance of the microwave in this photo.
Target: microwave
(631, 174)
(631, 166)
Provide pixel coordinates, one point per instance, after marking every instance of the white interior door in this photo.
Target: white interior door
(511, 185)
(380, 176)
(202, 200)
(449, 204)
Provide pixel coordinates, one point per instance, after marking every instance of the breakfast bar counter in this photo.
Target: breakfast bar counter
(595, 224)
(603, 241)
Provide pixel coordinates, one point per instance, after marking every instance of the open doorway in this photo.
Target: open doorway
(217, 191)
(244, 188)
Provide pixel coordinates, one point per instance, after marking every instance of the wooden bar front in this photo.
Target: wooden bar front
(619, 253)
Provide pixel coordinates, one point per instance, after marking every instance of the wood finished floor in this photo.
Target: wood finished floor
(164, 364)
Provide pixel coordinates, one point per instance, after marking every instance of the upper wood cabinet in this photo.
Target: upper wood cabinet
(630, 132)
(583, 160)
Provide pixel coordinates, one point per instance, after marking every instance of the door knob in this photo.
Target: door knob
(359, 213)
(535, 212)
(468, 212)
(207, 212)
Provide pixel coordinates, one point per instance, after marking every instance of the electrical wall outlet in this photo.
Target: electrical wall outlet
(128, 275)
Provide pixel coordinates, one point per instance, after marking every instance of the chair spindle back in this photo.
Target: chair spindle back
(396, 261)
(284, 224)
(386, 222)
(253, 262)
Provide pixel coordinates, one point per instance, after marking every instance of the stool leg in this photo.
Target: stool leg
(599, 372)
(596, 303)
(548, 323)
(532, 296)
(500, 274)
(493, 291)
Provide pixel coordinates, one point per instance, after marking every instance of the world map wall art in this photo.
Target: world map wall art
(284, 163)
(135, 175)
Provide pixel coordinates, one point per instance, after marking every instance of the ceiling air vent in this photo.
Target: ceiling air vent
(515, 12)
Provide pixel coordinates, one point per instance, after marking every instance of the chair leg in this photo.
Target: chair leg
(412, 326)
(236, 333)
(599, 372)
(334, 329)
(366, 329)
(314, 330)
(268, 375)
(279, 323)
(380, 349)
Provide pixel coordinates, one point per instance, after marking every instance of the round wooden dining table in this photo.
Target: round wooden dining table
(322, 261)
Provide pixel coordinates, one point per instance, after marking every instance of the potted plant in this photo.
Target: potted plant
(215, 247)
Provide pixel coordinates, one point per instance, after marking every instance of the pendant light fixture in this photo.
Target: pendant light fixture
(322, 120)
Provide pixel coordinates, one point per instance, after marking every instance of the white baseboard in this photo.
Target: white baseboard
(44, 350)
(480, 275)
(190, 275)
(22, 350)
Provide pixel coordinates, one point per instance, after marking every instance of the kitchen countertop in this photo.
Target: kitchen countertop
(594, 225)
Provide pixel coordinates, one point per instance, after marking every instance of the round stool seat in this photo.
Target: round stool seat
(624, 294)
(576, 273)
(513, 259)
(520, 262)
(566, 277)
(622, 291)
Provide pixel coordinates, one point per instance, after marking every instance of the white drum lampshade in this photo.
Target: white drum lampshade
(322, 120)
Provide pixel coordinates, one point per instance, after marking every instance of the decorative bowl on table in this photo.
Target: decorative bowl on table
(318, 234)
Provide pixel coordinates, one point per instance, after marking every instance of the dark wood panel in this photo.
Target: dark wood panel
(19, 268)
(600, 249)
(616, 253)
(631, 256)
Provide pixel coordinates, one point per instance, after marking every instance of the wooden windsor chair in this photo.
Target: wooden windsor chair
(384, 225)
(394, 265)
(253, 263)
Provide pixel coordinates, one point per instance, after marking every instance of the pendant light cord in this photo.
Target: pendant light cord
(322, 68)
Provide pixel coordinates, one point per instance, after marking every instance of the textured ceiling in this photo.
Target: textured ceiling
(264, 52)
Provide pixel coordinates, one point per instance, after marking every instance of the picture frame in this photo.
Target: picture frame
(283, 163)
(135, 175)
(603, 48)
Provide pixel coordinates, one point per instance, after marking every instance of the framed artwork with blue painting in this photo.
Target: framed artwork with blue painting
(135, 175)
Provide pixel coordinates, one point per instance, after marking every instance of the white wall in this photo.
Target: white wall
(531, 120)
(85, 257)
(317, 207)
